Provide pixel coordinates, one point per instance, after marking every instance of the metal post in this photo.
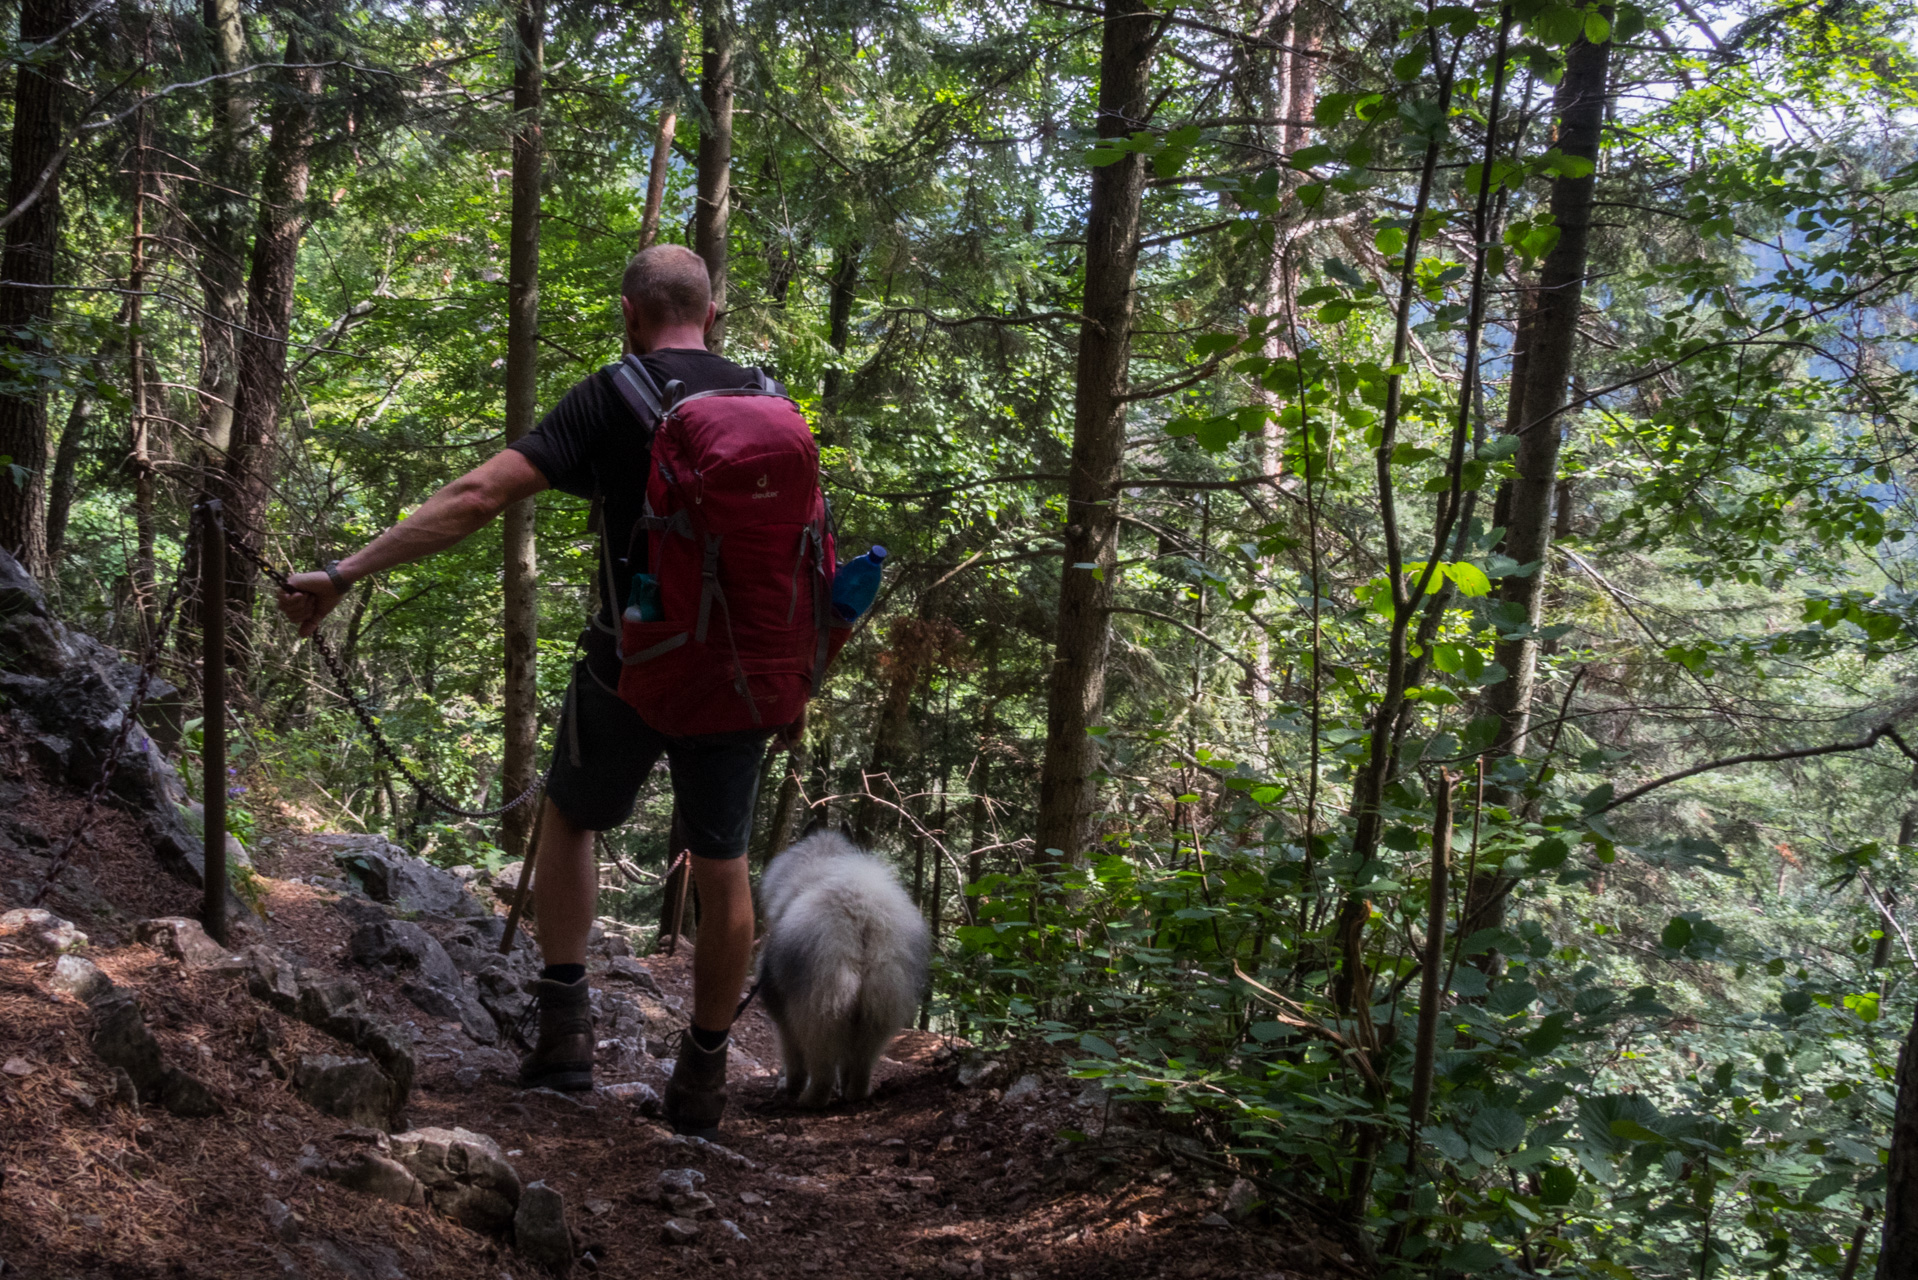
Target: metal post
(213, 716)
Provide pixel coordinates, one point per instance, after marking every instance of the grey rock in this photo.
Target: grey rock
(351, 1089)
(466, 1177)
(120, 1038)
(1242, 1198)
(680, 1182)
(395, 946)
(370, 1173)
(1213, 1220)
(392, 946)
(1024, 1089)
(182, 939)
(730, 1232)
(324, 1000)
(185, 1095)
(79, 979)
(540, 1231)
(351, 1260)
(41, 928)
(20, 593)
(643, 1097)
(391, 875)
(976, 1071)
(680, 1195)
(51, 752)
(678, 1231)
(273, 978)
(619, 1015)
(279, 1220)
(502, 994)
(474, 1207)
(453, 1005)
(627, 969)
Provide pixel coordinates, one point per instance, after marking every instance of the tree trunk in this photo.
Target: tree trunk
(656, 179)
(222, 259)
(64, 481)
(247, 474)
(1076, 695)
(1898, 1250)
(27, 267)
(522, 387)
(1542, 367)
(845, 291)
(140, 448)
(715, 157)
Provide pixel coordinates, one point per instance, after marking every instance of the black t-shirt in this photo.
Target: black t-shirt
(592, 444)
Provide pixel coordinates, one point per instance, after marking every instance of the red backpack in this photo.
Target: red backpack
(738, 537)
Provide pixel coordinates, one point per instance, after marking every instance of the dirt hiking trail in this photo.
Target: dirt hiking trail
(928, 1179)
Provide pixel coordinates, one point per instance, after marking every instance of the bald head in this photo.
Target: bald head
(667, 285)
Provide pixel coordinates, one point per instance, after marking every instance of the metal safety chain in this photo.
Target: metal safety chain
(156, 644)
(383, 748)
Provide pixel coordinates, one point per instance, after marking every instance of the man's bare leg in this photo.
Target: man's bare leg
(725, 948)
(565, 888)
(565, 891)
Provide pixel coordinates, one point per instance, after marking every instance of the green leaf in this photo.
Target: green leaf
(1344, 273)
(1558, 25)
(1677, 934)
(1597, 29)
(1469, 982)
(1331, 108)
(1306, 157)
(1548, 854)
(1408, 66)
(1634, 1131)
(1469, 578)
(1389, 241)
(1473, 1259)
(1557, 1185)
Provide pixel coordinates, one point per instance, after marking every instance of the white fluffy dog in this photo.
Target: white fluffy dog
(842, 967)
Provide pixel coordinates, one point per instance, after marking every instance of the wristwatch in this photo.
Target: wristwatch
(332, 570)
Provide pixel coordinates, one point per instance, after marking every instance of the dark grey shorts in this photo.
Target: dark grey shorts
(603, 751)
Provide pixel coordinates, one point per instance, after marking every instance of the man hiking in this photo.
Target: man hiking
(621, 712)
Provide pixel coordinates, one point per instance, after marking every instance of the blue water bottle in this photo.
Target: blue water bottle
(855, 584)
(643, 604)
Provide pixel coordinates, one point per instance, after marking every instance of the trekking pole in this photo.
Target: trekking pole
(684, 887)
(213, 719)
(525, 878)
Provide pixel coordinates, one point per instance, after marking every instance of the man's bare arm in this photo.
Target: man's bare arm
(457, 510)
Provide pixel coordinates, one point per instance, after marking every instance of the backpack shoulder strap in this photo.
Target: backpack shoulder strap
(635, 384)
(763, 381)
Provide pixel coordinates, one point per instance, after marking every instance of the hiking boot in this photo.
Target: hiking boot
(563, 1058)
(696, 1095)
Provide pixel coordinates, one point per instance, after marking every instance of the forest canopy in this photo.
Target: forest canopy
(1398, 641)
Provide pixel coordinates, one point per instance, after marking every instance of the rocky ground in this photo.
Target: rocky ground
(331, 1095)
